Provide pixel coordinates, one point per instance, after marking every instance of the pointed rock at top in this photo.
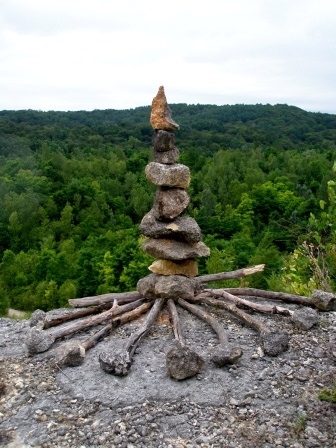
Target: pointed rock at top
(161, 114)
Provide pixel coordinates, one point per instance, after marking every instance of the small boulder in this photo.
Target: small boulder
(71, 354)
(168, 157)
(274, 342)
(225, 355)
(167, 287)
(163, 141)
(182, 362)
(305, 318)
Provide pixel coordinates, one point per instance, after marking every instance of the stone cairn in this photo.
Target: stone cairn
(175, 242)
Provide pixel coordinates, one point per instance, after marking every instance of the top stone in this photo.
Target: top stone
(161, 114)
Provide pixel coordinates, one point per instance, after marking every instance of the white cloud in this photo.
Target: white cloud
(85, 54)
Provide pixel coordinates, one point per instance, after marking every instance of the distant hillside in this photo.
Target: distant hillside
(208, 127)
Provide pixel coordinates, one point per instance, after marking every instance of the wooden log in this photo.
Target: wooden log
(175, 322)
(273, 342)
(122, 298)
(239, 273)
(240, 314)
(73, 353)
(119, 363)
(262, 308)
(39, 340)
(72, 314)
(224, 354)
(210, 320)
(272, 295)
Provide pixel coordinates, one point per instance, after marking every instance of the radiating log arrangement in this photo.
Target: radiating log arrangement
(174, 240)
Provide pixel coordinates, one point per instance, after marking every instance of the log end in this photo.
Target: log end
(118, 364)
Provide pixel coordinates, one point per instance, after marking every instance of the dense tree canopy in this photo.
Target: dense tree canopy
(73, 191)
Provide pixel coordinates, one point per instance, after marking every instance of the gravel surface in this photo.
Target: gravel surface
(261, 402)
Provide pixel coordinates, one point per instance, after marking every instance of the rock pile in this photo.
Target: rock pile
(174, 240)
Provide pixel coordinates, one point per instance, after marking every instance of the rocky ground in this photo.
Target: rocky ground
(261, 402)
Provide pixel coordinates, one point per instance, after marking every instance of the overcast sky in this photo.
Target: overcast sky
(114, 54)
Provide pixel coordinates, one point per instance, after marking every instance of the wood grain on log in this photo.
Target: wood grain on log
(283, 296)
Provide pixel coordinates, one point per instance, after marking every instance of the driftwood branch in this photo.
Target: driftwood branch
(210, 320)
(273, 342)
(272, 295)
(261, 308)
(120, 362)
(240, 314)
(224, 354)
(176, 324)
(239, 273)
(72, 353)
(122, 298)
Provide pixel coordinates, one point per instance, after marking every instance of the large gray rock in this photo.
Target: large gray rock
(305, 318)
(168, 157)
(181, 228)
(167, 287)
(163, 141)
(182, 362)
(176, 175)
(174, 250)
(170, 203)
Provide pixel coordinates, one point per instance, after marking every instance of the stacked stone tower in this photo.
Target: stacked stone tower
(173, 239)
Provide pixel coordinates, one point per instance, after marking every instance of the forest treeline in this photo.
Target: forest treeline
(73, 192)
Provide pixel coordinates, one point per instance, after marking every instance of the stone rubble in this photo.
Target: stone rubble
(261, 401)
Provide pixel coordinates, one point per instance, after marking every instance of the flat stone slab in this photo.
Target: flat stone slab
(170, 203)
(174, 250)
(183, 228)
(169, 267)
(176, 175)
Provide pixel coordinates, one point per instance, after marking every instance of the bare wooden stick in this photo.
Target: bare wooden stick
(122, 297)
(72, 353)
(232, 308)
(262, 308)
(72, 314)
(214, 324)
(274, 342)
(82, 324)
(239, 273)
(175, 322)
(39, 340)
(273, 295)
(120, 362)
(225, 353)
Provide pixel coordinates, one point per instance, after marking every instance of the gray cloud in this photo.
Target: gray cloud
(85, 54)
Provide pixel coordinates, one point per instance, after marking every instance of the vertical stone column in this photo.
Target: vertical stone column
(173, 239)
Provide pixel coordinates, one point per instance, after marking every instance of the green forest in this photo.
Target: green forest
(73, 192)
